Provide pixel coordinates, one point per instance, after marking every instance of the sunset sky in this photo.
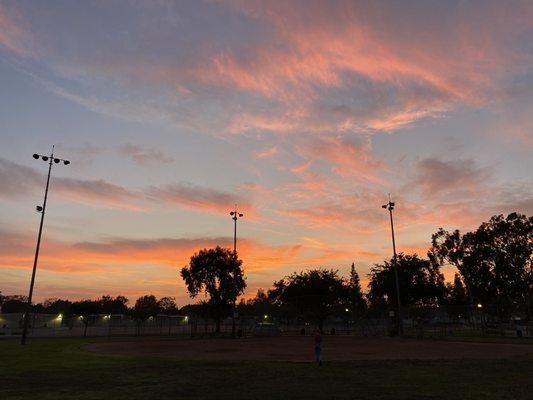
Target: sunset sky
(304, 113)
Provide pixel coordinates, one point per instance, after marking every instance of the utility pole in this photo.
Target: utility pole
(390, 206)
(42, 209)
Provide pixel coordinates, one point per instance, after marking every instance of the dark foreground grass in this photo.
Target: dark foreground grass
(62, 369)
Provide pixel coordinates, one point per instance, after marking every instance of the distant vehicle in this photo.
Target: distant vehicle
(266, 329)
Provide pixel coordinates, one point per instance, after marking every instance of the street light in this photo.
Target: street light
(390, 206)
(235, 215)
(41, 209)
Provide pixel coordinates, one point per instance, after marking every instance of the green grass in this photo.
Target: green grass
(62, 369)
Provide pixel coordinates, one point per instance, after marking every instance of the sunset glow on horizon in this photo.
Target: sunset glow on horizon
(306, 114)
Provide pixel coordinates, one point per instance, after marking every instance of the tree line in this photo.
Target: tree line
(494, 271)
(493, 262)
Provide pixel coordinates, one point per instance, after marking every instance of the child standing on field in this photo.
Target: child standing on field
(318, 347)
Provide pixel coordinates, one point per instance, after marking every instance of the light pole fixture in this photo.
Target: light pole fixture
(235, 215)
(41, 209)
(390, 206)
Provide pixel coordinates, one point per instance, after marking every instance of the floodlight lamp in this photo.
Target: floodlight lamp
(39, 209)
(36, 156)
(56, 160)
(384, 206)
(231, 213)
(45, 158)
(241, 215)
(66, 162)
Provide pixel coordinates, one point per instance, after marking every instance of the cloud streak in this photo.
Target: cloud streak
(358, 67)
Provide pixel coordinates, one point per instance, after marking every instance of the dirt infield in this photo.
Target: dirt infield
(300, 349)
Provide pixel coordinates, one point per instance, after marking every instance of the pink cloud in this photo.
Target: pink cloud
(350, 157)
(201, 198)
(14, 34)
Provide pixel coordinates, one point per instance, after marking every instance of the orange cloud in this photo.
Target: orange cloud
(88, 257)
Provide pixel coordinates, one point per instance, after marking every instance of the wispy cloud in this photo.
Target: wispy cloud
(144, 156)
(21, 180)
(355, 68)
(197, 197)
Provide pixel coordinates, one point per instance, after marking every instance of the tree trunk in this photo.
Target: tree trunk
(86, 324)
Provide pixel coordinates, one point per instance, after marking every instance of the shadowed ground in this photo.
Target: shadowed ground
(151, 368)
(300, 349)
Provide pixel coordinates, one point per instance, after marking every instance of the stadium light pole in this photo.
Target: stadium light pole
(42, 209)
(390, 206)
(235, 215)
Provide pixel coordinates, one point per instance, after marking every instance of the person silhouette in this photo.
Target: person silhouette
(318, 347)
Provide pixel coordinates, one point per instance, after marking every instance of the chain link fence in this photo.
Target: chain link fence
(462, 321)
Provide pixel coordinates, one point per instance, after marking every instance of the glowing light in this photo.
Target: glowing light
(479, 305)
(59, 317)
(265, 316)
(347, 309)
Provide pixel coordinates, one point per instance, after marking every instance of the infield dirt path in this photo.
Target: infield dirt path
(301, 349)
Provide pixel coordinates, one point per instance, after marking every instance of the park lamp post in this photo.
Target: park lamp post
(235, 215)
(41, 209)
(390, 206)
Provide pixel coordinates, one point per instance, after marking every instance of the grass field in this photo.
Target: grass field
(65, 369)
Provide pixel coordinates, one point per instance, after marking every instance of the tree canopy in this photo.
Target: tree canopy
(313, 294)
(217, 273)
(495, 261)
(421, 282)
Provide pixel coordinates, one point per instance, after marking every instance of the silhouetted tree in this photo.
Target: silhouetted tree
(421, 282)
(145, 307)
(167, 305)
(84, 309)
(216, 272)
(457, 301)
(259, 306)
(113, 305)
(315, 294)
(495, 261)
(357, 301)
(56, 306)
(14, 303)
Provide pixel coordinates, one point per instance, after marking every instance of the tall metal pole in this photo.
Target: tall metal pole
(235, 232)
(36, 258)
(32, 282)
(235, 216)
(390, 206)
